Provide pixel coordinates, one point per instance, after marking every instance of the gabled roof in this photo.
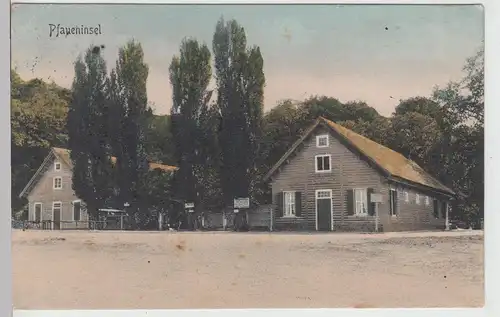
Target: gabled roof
(64, 156)
(391, 163)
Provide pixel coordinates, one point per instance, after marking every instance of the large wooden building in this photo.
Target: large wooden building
(328, 179)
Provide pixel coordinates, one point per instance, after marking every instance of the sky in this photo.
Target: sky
(373, 53)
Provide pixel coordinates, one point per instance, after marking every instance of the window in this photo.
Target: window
(417, 199)
(57, 182)
(393, 201)
(323, 194)
(323, 163)
(57, 166)
(77, 207)
(322, 140)
(401, 193)
(407, 196)
(427, 200)
(37, 212)
(361, 202)
(289, 204)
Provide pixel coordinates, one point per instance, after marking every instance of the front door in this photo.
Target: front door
(324, 210)
(56, 216)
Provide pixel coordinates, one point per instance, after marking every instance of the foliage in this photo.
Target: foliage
(464, 105)
(240, 86)
(88, 133)
(128, 102)
(159, 141)
(38, 121)
(224, 149)
(190, 74)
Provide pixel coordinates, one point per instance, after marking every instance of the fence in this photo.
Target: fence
(257, 218)
(63, 225)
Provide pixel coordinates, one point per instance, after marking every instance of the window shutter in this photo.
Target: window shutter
(350, 202)
(298, 204)
(396, 205)
(435, 209)
(279, 203)
(371, 206)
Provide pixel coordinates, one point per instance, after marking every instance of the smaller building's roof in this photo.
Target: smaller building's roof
(64, 155)
(393, 164)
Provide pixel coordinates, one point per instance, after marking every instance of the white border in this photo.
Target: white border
(492, 178)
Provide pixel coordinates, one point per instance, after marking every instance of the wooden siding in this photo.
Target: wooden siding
(349, 171)
(412, 216)
(44, 193)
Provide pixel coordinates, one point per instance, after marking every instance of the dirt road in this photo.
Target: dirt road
(129, 270)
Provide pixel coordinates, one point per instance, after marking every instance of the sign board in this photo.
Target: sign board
(376, 198)
(242, 203)
(190, 210)
(189, 205)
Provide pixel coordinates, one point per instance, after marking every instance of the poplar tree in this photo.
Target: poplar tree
(240, 88)
(190, 74)
(128, 98)
(87, 127)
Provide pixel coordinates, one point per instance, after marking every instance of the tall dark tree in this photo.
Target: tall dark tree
(190, 74)
(129, 107)
(88, 132)
(240, 86)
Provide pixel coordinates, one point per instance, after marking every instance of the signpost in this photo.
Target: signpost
(376, 198)
(189, 207)
(241, 203)
(447, 223)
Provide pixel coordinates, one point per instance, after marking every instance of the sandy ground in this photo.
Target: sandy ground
(129, 270)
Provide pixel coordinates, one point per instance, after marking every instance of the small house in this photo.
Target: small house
(50, 194)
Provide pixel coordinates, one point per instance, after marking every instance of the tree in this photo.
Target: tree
(190, 74)
(128, 100)
(414, 136)
(159, 140)
(240, 83)
(421, 105)
(38, 121)
(464, 105)
(88, 134)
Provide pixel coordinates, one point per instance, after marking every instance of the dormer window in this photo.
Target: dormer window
(322, 140)
(57, 166)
